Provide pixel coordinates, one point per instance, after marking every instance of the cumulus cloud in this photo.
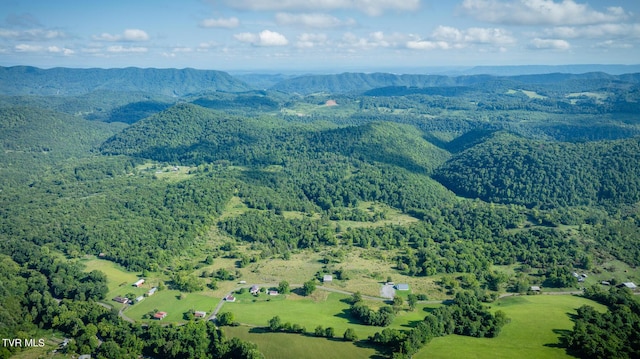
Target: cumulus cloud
(32, 34)
(377, 39)
(307, 40)
(60, 50)
(549, 44)
(129, 35)
(447, 37)
(315, 20)
(427, 45)
(122, 49)
(370, 7)
(264, 38)
(228, 23)
(540, 12)
(27, 48)
(620, 30)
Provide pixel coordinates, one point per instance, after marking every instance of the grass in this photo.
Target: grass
(534, 331)
(281, 345)
(169, 301)
(323, 308)
(119, 280)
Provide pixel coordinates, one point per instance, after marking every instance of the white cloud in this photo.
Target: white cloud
(549, 44)
(228, 23)
(60, 50)
(540, 12)
(370, 7)
(376, 39)
(612, 44)
(264, 38)
(315, 20)
(123, 49)
(32, 34)
(447, 37)
(307, 40)
(427, 45)
(619, 30)
(28, 48)
(129, 35)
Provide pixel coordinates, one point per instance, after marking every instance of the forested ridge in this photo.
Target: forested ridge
(440, 176)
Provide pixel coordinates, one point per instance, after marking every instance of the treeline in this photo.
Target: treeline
(465, 315)
(612, 334)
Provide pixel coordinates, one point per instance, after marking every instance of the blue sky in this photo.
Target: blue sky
(323, 35)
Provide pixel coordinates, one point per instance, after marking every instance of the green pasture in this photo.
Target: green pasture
(170, 301)
(282, 345)
(533, 332)
(119, 280)
(325, 309)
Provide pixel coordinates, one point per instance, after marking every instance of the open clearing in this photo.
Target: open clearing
(534, 330)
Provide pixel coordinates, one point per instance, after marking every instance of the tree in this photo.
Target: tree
(308, 287)
(329, 332)
(225, 318)
(350, 335)
(283, 287)
(275, 324)
(412, 300)
(319, 331)
(356, 297)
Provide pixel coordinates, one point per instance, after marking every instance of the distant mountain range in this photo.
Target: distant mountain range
(25, 80)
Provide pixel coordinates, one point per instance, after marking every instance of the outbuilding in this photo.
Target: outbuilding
(402, 286)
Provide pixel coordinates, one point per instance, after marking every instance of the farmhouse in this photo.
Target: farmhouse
(160, 315)
(199, 314)
(230, 298)
(152, 291)
(629, 285)
(139, 283)
(327, 278)
(122, 300)
(402, 286)
(254, 289)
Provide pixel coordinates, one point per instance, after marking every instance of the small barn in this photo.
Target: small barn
(230, 298)
(402, 286)
(534, 288)
(327, 278)
(160, 315)
(152, 291)
(630, 285)
(199, 314)
(139, 283)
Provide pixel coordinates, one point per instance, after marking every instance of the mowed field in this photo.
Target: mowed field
(534, 331)
(322, 308)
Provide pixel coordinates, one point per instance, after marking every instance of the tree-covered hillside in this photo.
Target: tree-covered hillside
(24, 80)
(512, 169)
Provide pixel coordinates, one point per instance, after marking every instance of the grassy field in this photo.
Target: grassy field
(119, 280)
(281, 345)
(323, 308)
(534, 331)
(170, 301)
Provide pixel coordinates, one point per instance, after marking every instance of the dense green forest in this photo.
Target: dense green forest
(466, 174)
